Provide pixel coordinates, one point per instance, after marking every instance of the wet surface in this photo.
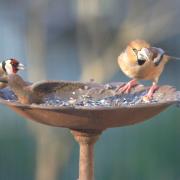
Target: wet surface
(90, 101)
(8, 95)
(93, 96)
(88, 106)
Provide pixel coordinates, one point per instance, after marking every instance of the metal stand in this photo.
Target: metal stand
(86, 140)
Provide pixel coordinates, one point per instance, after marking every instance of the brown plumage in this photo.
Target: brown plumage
(25, 91)
(140, 61)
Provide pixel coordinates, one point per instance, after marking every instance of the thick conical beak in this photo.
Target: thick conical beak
(21, 66)
(144, 54)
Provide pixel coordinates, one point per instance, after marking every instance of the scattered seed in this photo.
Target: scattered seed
(86, 87)
(86, 100)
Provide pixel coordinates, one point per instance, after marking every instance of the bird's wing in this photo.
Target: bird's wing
(157, 55)
(45, 86)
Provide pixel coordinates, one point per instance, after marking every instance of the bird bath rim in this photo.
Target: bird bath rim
(90, 85)
(100, 108)
(78, 117)
(88, 123)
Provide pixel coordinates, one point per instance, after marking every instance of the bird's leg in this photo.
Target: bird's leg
(151, 91)
(126, 88)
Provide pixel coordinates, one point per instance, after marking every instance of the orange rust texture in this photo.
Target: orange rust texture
(86, 142)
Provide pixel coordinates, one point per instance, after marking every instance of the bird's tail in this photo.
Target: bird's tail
(173, 57)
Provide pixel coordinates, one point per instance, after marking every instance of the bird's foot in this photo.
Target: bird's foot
(126, 88)
(148, 97)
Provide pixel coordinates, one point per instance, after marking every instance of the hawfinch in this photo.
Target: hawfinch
(141, 61)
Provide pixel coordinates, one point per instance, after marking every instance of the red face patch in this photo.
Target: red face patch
(15, 65)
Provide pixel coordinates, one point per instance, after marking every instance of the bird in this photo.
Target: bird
(26, 92)
(9, 66)
(141, 61)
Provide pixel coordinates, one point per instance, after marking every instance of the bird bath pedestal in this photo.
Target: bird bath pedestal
(86, 141)
(87, 109)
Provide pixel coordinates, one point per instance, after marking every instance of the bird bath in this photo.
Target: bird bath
(87, 109)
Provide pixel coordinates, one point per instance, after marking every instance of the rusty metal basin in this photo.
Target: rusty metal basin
(87, 109)
(87, 117)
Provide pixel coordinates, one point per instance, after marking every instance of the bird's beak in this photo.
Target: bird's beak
(21, 66)
(144, 54)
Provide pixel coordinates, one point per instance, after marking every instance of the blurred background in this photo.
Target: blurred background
(80, 40)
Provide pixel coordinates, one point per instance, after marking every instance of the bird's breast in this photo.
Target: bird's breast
(145, 71)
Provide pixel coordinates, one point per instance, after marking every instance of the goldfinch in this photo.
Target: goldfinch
(9, 66)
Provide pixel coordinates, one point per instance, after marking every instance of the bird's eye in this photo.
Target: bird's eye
(14, 62)
(135, 51)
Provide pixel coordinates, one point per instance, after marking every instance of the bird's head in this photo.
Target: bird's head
(12, 66)
(138, 51)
